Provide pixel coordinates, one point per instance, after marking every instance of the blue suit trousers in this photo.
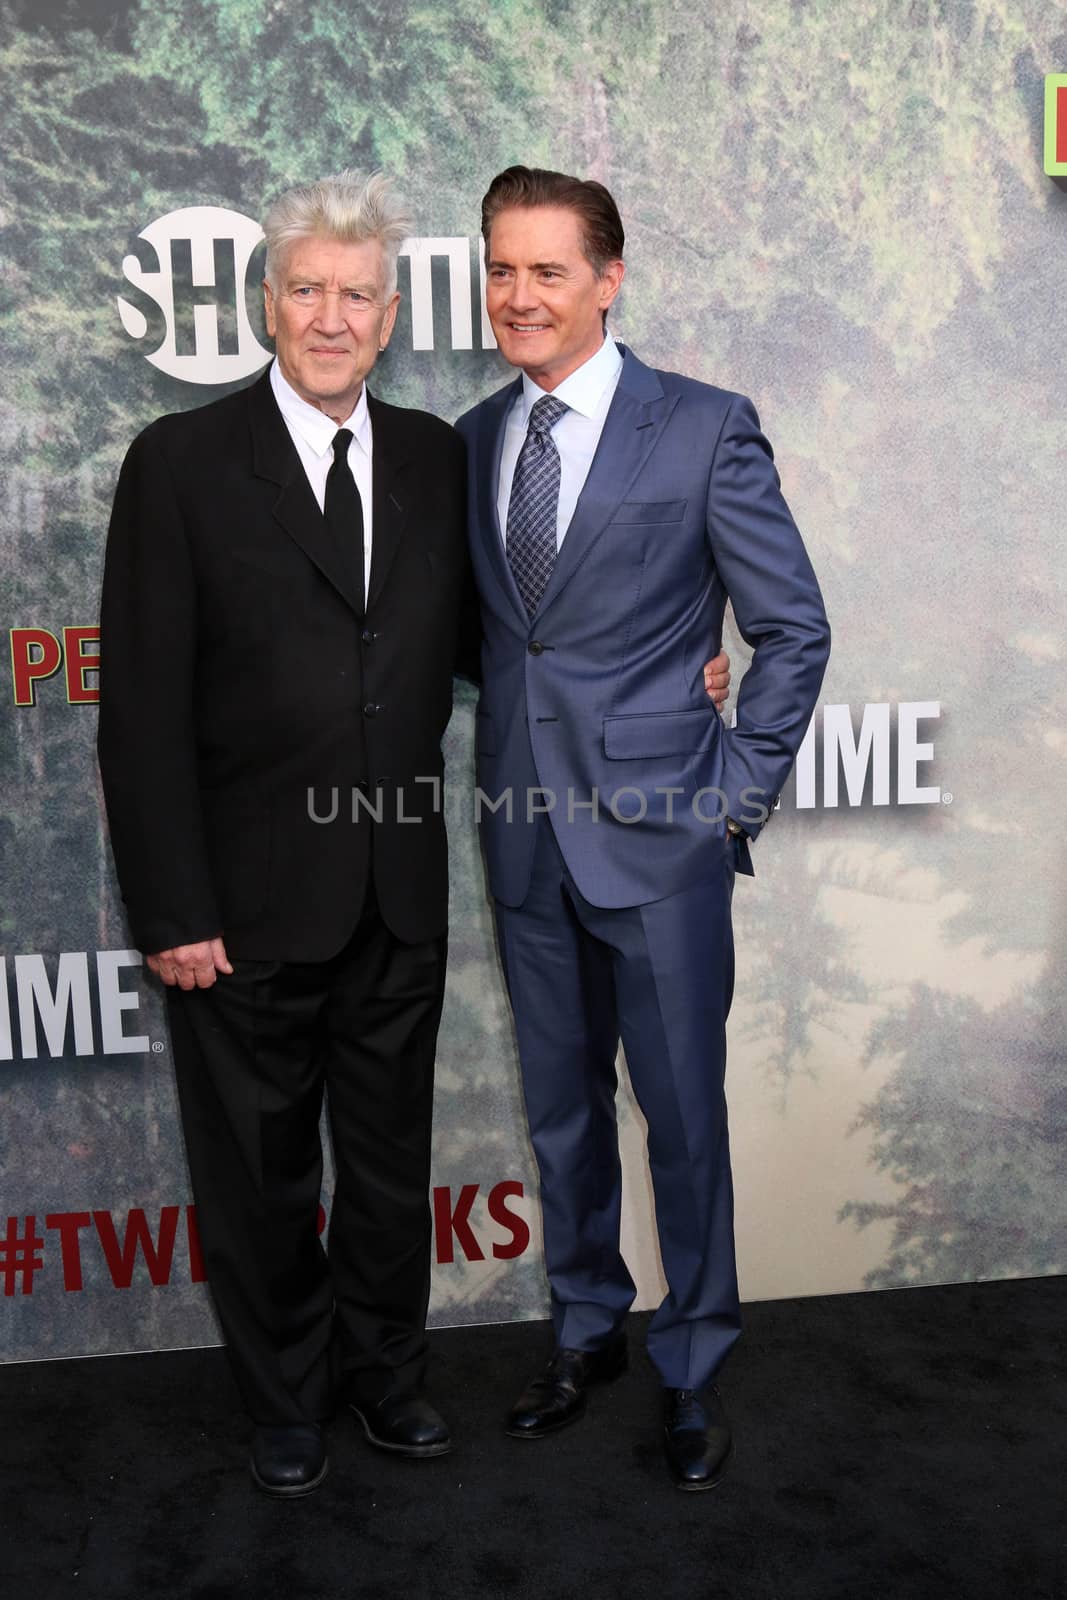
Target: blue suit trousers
(660, 977)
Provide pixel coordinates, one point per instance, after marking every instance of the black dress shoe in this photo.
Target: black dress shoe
(558, 1395)
(407, 1424)
(288, 1459)
(697, 1436)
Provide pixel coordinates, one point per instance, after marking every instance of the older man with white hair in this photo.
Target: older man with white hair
(284, 582)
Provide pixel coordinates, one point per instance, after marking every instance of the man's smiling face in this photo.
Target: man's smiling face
(545, 300)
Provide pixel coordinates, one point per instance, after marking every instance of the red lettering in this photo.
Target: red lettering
(197, 1274)
(69, 1224)
(79, 662)
(449, 1220)
(27, 669)
(515, 1224)
(121, 1259)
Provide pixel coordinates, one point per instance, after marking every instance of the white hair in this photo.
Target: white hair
(345, 206)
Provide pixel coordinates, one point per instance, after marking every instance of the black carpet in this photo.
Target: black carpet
(899, 1445)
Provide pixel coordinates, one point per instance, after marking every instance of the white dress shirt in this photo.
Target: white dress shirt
(589, 393)
(312, 431)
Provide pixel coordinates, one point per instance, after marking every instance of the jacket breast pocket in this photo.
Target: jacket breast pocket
(653, 734)
(650, 511)
(484, 734)
(272, 563)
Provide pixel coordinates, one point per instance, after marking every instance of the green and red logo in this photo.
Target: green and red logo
(1056, 125)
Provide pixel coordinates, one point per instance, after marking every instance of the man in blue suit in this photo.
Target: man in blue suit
(614, 511)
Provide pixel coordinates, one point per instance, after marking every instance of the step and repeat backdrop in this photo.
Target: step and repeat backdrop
(842, 210)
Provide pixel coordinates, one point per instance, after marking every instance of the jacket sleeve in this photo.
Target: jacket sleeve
(469, 639)
(146, 743)
(468, 662)
(764, 567)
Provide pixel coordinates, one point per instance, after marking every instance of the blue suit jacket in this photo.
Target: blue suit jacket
(602, 692)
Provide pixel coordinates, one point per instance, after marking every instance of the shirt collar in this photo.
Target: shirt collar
(584, 390)
(314, 426)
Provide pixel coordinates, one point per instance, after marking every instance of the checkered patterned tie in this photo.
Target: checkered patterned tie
(531, 538)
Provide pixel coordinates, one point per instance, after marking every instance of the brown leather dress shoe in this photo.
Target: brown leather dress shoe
(288, 1458)
(558, 1395)
(696, 1436)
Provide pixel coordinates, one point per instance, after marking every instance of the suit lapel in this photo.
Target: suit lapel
(635, 421)
(274, 458)
(391, 458)
(492, 420)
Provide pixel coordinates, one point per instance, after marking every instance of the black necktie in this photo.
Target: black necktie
(343, 511)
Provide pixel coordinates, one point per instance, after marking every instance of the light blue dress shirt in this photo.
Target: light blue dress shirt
(589, 393)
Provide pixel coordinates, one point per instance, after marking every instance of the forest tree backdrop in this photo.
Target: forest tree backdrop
(838, 209)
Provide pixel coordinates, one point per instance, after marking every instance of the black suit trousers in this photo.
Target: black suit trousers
(253, 1056)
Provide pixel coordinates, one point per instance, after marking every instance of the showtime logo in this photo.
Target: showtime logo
(40, 1013)
(199, 286)
(880, 757)
(199, 249)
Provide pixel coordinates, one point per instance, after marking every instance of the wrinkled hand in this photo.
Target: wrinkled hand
(191, 966)
(717, 679)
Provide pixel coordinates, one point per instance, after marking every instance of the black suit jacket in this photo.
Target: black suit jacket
(239, 672)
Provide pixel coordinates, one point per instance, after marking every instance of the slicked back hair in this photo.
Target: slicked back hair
(348, 207)
(603, 237)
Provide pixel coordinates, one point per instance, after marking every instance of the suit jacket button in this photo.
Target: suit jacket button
(368, 636)
(370, 709)
(535, 647)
